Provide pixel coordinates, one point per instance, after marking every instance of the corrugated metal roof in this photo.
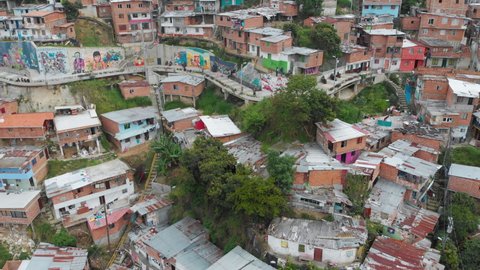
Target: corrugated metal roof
(388, 253)
(131, 115)
(337, 131)
(48, 256)
(239, 259)
(220, 125)
(150, 205)
(179, 114)
(469, 172)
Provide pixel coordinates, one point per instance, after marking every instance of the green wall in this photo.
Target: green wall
(273, 64)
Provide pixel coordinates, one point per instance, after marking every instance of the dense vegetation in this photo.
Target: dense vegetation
(211, 183)
(4, 255)
(71, 9)
(210, 103)
(291, 114)
(373, 100)
(356, 189)
(106, 96)
(466, 155)
(323, 37)
(58, 167)
(307, 8)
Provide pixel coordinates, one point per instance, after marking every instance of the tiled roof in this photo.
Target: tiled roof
(25, 120)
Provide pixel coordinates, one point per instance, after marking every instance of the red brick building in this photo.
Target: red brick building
(131, 89)
(342, 23)
(20, 207)
(26, 128)
(465, 179)
(48, 25)
(186, 23)
(133, 19)
(187, 88)
(78, 130)
(8, 106)
(179, 119)
(413, 56)
(341, 140)
(451, 7)
(357, 58)
(386, 45)
(118, 220)
(233, 26)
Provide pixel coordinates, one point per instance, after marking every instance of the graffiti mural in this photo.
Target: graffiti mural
(78, 63)
(193, 57)
(52, 60)
(224, 67)
(18, 55)
(138, 62)
(103, 60)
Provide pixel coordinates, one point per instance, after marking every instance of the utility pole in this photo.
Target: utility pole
(448, 228)
(106, 224)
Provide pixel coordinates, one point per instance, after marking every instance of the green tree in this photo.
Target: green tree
(4, 255)
(450, 256)
(463, 211)
(64, 239)
(357, 191)
(325, 38)
(169, 152)
(255, 116)
(71, 9)
(281, 170)
(470, 254)
(407, 4)
(309, 8)
(257, 198)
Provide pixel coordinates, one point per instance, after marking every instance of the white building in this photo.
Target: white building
(318, 240)
(79, 194)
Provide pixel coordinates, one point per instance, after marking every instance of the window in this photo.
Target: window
(454, 32)
(410, 50)
(447, 119)
(301, 248)
(120, 16)
(434, 61)
(127, 140)
(42, 154)
(34, 161)
(140, 5)
(343, 144)
(431, 21)
(239, 34)
(284, 244)
(111, 226)
(394, 62)
(359, 140)
(393, 7)
(455, 22)
(175, 87)
(457, 1)
(122, 27)
(464, 116)
(444, 20)
(439, 87)
(197, 30)
(145, 26)
(119, 5)
(126, 126)
(124, 191)
(134, 26)
(134, 15)
(29, 20)
(377, 61)
(442, 32)
(129, 6)
(425, 31)
(71, 206)
(18, 214)
(366, 7)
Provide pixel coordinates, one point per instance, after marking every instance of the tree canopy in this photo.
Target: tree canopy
(357, 191)
(64, 239)
(211, 183)
(463, 211)
(323, 37)
(307, 8)
(281, 170)
(470, 254)
(290, 114)
(71, 9)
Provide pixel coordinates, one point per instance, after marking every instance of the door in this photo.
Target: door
(387, 63)
(318, 254)
(444, 62)
(258, 51)
(343, 157)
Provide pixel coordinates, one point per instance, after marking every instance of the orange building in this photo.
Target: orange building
(464, 179)
(26, 128)
(179, 119)
(133, 20)
(131, 89)
(118, 220)
(8, 106)
(20, 207)
(47, 25)
(187, 88)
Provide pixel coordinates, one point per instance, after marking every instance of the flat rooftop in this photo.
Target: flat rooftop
(239, 259)
(337, 131)
(83, 177)
(131, 115)
(17, 200)
(179, 114)
(83, 119)
(267, 31)
(275, 39)
(18, 156)
(220, 125)
(187, 79)
(384, 32)
(464, 171)
(464, 89)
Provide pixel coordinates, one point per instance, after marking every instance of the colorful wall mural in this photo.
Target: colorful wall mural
(70, 60)
(193, 57)
(18, 55)
(225, 67)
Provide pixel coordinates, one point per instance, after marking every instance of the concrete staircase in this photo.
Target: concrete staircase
(434, 203)
(400, 94)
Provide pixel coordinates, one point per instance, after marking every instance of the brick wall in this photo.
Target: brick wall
(410, 23)
(468, 186)
(109, 126)
(31, 210)
(135, 91)
(9, 107)
(12, 133)
(99, 235)
(358, 55)
(428, 156)
(183, 89)
(326, 178)
(447, 6)
(275, 48)
(352, 145)
(434, 89)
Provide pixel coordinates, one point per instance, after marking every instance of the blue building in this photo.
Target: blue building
(227, 3)
(381, 7)
(130, 127)
(22, 167)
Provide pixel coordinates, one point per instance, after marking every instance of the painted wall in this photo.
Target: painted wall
(193, 57)
(380, 10)
(227, 3)
(18, 55)
(69, 60)
(274, 61)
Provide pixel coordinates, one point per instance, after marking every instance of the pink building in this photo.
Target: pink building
(412, 56)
